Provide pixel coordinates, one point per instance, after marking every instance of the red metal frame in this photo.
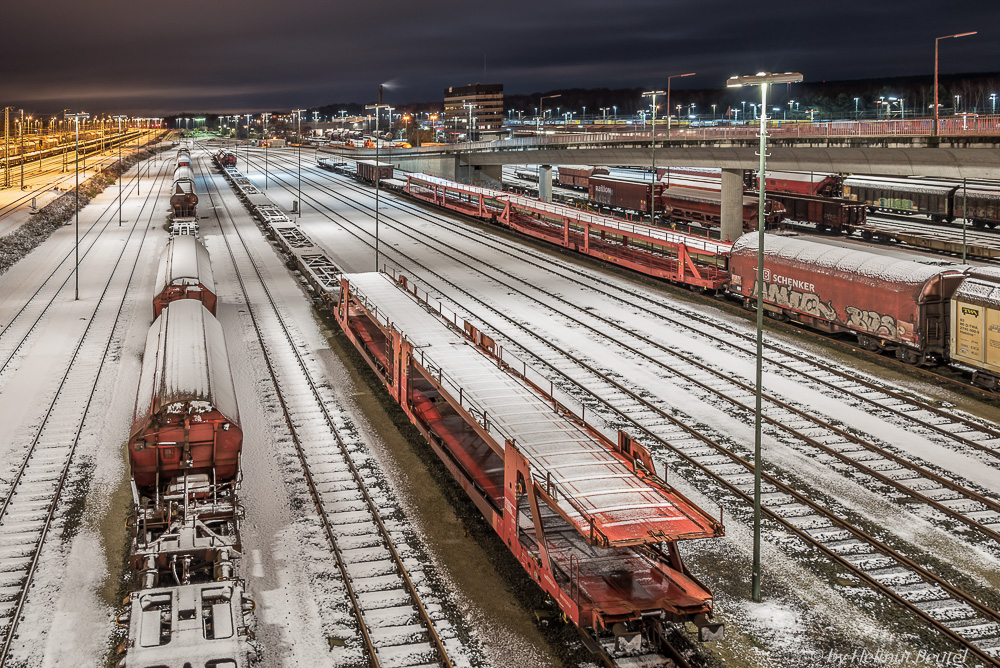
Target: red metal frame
(672, 256)
(598, 578)
(171, 293)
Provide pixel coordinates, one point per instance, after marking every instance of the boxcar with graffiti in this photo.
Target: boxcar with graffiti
(888, 303)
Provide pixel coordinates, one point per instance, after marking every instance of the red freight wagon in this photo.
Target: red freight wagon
(226, 158)
(185, 273)
(705, 207)
(186, 420)
(804, 183)
(827, 213)
(888, 303)
(184, 198)
(183, 158)
(625, 194)
(578, 176)
(368, 168)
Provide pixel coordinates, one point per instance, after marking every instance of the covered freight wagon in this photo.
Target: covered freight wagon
(186, 420)
(827, 213)
(888, 303)
(625, 194)
(183, 158)
(226, 158)
(702, 206)
(820, 184)
(578, 176)
(185, 273)
(982, 203)
(184, 199)
(930, 198)
(975, 325)
(367, 170)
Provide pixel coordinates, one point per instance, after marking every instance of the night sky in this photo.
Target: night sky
(223, 56)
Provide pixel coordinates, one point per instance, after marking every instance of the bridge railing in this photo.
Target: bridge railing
(950, 126)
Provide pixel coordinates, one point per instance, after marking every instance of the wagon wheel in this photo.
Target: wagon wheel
(869, 343)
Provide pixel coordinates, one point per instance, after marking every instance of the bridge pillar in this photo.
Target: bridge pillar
(489, 176)
(732, 204)
(545, 183)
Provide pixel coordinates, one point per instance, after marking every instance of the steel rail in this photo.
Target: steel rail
(411, 588)
(10, 632)
(881, 547)
(66, 258)
(547, 266)
(919, 470)
(666, 650)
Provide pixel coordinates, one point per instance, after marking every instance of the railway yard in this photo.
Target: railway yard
(402, 428)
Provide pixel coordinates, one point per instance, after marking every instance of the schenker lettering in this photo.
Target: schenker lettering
(793, 283)
(799, 300)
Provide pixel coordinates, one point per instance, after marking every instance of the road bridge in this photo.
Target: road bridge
(900, 150)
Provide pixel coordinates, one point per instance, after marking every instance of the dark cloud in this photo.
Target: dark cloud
(252, 55)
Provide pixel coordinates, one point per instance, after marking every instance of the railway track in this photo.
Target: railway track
(400, 623)
(17, 332)
(950, 498)
(31, 496)
(943, 606)
(56, 178)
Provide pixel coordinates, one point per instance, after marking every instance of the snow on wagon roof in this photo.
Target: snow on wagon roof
(185, 261)
(836, 259)
(593, 483)
(185, 361)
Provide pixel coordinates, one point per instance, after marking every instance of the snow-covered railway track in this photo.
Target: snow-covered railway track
(953, 612)
(19, 328)
(398, 615)
(875, 563)
(32, 494)
(798, 423)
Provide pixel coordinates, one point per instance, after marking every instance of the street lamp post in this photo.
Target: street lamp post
(652, 157)
(121, 172)
(298, 136)
(378, 167)
(993, 101)
(762, 79)
(856, 108)
(20, 131)
(674, 76)
(936, 40)
(468, 135)
(541, 110)
(138, 158)
(76, 118)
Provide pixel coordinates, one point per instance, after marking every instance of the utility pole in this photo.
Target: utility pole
(673, 76)
(20, 131)
(121, 171)
(138, 157)
(76, 273)
(378, 167)
(298, 136)
(652, 157)
(762, 79)
(6, 147)
(470, 106)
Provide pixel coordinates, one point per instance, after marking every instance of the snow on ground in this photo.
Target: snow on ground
(68, 616)
(302, 604)
(438, 267)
